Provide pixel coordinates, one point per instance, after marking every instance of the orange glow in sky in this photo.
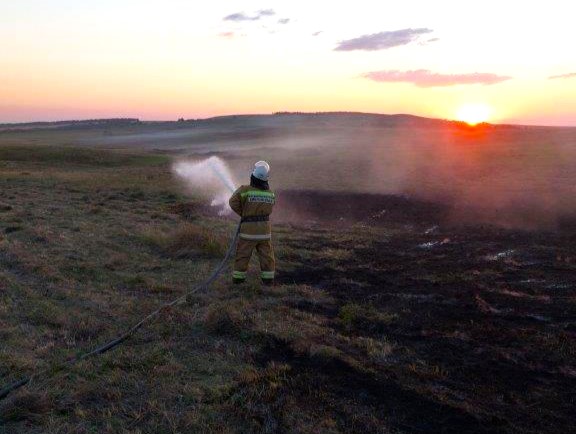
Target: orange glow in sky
(473, 114)
(168, 59)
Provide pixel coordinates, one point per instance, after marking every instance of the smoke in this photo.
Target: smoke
(210, 177)
(517, 177)
(509, 178)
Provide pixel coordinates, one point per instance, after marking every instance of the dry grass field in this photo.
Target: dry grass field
(387, 317)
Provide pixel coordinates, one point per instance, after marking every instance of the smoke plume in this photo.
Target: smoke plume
(510, 176)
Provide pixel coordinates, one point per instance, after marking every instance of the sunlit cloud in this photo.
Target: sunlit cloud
(241, 16)
(425, 78)
(227, 35)
(284, 21)
(563, 76)
(317, 33)
(382, 40)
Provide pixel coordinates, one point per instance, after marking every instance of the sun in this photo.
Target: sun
(474, 114)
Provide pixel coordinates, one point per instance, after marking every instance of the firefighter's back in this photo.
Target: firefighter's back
(257, 205)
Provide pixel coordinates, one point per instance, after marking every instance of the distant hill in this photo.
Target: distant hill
(275, 120)
(344, 119)
(70, 124)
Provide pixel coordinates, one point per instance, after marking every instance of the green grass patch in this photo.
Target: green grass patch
(54, 155)
(355, 317)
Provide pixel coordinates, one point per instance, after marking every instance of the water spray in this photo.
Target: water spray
(226, 180)
(212, 176)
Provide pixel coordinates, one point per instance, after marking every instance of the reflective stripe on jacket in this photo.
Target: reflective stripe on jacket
(249, 201)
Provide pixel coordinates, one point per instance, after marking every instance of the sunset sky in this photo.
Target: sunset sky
(152, 59)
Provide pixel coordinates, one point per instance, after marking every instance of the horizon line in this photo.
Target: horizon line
(277, 113)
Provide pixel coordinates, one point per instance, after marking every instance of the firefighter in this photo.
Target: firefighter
(254, 204)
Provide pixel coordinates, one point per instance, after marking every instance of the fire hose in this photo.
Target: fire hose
(128, 333)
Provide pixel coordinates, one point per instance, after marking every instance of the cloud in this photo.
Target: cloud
(317, 33)
(266, 12)
(382, 40)
(425, 78)
(227, 35)
(428, 42)
(241, 16)
(570, 75)
(284, 21)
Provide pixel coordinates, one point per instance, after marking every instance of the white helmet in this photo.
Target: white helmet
(261, 170)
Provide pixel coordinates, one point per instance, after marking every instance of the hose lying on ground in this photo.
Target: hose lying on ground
(127, 334)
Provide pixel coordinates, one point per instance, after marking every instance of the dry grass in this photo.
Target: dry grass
(356, 317)
(257, 400)
(378, 350)
(224, 319)
(23, 406)
(187, 241)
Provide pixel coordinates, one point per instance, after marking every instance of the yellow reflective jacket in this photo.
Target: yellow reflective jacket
(251, 203)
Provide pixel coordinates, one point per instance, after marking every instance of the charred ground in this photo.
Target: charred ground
(481, 319)
(485, 317)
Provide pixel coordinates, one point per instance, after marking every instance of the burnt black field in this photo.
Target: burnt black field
(491, 309)
(488, 313)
